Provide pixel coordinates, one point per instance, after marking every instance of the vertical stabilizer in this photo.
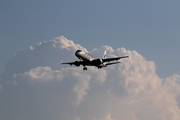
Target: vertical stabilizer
(105, 55)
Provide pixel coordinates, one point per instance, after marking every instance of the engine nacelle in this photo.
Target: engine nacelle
(98, 61)
(76, 63)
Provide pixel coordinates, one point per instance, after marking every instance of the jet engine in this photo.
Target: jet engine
(98, 61)
(76, 63)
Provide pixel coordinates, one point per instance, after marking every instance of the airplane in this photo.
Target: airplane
(87, 60)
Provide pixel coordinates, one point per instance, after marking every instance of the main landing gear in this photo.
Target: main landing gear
(85, 68)
(99, 67)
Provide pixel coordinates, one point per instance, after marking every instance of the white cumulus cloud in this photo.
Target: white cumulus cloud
(36, 86)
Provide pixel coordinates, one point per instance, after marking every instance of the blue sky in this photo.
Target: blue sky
(149, 27)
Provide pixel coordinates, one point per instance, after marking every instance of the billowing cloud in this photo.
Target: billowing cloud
(36, 86)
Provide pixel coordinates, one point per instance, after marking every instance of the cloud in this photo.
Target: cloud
(108, 117)
(31, 48)
(36, 86)
(77, 118)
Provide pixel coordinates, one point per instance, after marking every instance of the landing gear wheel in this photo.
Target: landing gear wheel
(85, 68)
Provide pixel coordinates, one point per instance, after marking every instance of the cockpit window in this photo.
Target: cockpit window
(79, 51)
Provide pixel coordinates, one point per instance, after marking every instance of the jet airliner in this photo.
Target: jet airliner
(86, 59)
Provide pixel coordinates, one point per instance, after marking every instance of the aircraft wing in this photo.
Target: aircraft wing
(70, 63)
(76, 63)
(112, 63)
(111, 59)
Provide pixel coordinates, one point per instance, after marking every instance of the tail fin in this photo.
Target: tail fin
(105, 55)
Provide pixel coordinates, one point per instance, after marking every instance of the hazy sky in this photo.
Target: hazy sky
(150, 28)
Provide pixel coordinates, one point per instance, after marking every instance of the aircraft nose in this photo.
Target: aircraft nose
(77, 53)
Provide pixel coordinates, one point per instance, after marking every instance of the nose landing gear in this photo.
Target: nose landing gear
(85, 68)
